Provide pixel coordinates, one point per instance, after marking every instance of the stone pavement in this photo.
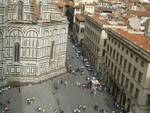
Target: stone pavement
(41, 92)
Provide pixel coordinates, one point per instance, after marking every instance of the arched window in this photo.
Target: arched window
(17, 52)
(20, 10)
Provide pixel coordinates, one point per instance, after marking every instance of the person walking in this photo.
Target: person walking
(19, 90)
(65, 83)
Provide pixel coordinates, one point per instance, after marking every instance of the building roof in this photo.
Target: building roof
(103, 21)
(80, 17)
(139, 13)
(99, 19)
(139, 39)
(62, 3)
(146, 6)
(133, 1)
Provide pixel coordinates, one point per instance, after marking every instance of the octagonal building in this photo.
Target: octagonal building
(33, 40)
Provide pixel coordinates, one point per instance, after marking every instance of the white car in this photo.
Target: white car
(87, 64)
(89, 69)
(77, 55)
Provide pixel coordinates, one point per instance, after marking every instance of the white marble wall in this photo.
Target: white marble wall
(37, 56)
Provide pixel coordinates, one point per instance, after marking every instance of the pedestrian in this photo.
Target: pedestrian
(8, 101)
(55, 111)
(61, 111)
(96, 107)
(79, 106)
(19, 90)
(65, 83)
(84, 107)
(61, 81)
(89, 84)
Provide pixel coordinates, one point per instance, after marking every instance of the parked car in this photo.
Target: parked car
(77, 55)
(89, 69)
(87, 64)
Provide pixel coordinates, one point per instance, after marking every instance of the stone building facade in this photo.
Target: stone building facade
(33, 40)
(127, 62)
(79, 28)
(95, 38)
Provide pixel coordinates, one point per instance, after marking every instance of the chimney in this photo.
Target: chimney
(147, 28)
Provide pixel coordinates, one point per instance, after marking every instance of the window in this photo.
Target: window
(142, 63)
(114, 53)
(136, 59)
(131, 55)
(131, 87)
(52, 50)
(134, 72)
(20, 10)
(17, 52)
(136, 93)
(121, 60)
(112, 40)
(110, 50)
(115, 71)
(125, 63)
(82, 30)
(106, 60)
(140, 77)
(122, 48)
(107, 48)
(129, 68)
(122, 79)
(103, 53)
(117, 56)
(148, 99)
(127, 51)
(112, 65)
(105, 42)
(118, 45)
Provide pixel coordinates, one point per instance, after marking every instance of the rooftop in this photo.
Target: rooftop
(139, 13)
(140, 40)
(104, 21)
(80, 17)
(62, 3)
(99, 19)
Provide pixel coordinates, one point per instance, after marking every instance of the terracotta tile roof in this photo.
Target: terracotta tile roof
(140, 40)
(80, 17)
(99, 19)
(139, 13)
(147, 7)
(133, 1)
(62, 3)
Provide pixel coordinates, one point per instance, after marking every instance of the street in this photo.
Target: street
(57, 93)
